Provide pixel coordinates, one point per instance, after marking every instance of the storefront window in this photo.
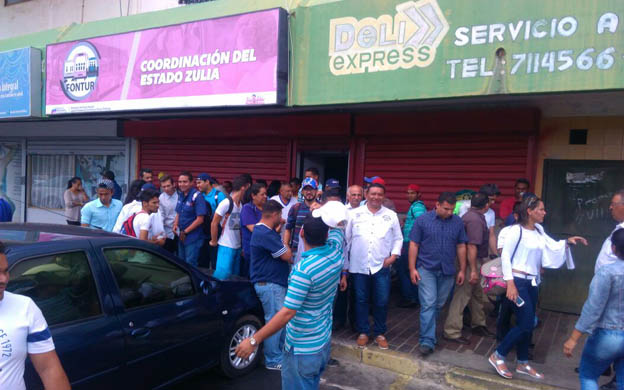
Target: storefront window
(50, 174)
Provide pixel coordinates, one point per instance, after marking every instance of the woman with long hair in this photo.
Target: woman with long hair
(526, 250)
(603, 318)
(250, 216)
(133, 190)
(75, 197)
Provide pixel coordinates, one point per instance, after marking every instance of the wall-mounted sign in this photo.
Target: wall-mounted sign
(354, 51)
(231, 61)
(20, 83)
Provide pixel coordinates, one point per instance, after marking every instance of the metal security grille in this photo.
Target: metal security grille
(224, 159)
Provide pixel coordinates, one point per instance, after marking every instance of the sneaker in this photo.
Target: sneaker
(277, 367)
(362, 340)
(381, 342)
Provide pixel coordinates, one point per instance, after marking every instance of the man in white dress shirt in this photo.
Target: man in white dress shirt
(374, 239)
(168, 202)
(606, 255)
(355, 194)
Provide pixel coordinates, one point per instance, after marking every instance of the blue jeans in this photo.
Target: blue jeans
(380, 285)
(272, 297)
(520, 336)
(603, 347)
(434, 289)
(190, 252)
(228, 262)
(409, 291)
(303, 372)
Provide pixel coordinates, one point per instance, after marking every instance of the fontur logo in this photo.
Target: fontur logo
(408, 39)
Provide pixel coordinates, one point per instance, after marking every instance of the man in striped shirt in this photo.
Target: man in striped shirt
(307, 311)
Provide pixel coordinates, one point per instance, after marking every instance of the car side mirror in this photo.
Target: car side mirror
(207, 286)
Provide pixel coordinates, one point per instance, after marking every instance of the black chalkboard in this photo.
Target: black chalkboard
(577, 194)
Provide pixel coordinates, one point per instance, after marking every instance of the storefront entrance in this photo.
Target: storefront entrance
(332, 164)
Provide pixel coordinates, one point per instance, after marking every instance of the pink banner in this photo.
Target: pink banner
(230, 61)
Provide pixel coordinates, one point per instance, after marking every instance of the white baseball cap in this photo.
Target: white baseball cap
(333, 214)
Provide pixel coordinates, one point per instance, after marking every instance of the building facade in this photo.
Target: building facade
(435, 92)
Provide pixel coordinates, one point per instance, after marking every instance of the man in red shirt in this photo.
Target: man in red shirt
(506, 207)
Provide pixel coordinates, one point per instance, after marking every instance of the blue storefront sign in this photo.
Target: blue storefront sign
(20, 83)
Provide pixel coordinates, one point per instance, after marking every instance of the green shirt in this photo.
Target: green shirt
(416, 210)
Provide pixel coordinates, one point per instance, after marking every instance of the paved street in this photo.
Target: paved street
(347, 376)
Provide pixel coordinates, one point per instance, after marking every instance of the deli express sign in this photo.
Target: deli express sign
(387, 50)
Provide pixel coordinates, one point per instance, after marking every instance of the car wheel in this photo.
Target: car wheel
(231, 365)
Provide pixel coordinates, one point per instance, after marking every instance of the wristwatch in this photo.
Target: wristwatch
(253, 341)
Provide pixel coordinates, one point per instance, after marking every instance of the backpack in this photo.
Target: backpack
(227, 215)
(207, 218)
(294, 210)
(127, 227)
(492, 280)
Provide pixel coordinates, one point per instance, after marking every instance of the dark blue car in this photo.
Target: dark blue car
(124, 313)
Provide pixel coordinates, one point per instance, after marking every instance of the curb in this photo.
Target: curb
(406, 364)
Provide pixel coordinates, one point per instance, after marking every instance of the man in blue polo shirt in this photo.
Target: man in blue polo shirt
(268, 272)
(191, 210)
(102, 212)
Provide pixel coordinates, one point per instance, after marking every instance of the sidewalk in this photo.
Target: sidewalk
(403, 325)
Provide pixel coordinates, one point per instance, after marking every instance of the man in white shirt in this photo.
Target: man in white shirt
(167, 208)
(24, 333)
(286, 199)
(142, 222)
(374, 239)
(355, 195)
(227, 216)
(156, 230)
(606, 256)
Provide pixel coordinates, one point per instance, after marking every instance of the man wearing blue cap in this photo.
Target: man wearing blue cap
(206, 184)
(297, 214)
(311, 173)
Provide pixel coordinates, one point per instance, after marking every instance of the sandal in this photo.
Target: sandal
(528, 370)
(499, 366)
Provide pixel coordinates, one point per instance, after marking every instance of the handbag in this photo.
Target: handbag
(492, 280)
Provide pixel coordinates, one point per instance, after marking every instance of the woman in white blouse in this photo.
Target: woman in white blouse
(527, 249)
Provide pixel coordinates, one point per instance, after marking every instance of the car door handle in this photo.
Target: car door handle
(141, 333)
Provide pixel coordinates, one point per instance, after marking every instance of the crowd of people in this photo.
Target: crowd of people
(319, 262)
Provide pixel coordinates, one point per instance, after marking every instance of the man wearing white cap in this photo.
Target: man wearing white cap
(307, 307)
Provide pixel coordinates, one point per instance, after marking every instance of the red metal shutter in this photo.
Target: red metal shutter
(446, 162)
(224, 159)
